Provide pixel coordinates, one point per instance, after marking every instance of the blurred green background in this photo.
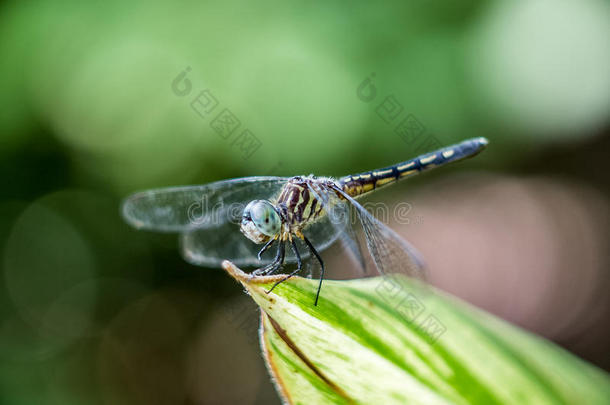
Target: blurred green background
(93, 312)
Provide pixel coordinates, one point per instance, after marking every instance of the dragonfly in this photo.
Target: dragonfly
(307, 211)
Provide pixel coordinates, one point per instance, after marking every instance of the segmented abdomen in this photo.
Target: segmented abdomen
(362, 183)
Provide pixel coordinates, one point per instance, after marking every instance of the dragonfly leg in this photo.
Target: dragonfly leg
(293, 244)
(313, 250)
(299, 266)
(273, 266)
(264, 249)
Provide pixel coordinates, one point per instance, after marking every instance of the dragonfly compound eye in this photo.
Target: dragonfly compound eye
(260, 221)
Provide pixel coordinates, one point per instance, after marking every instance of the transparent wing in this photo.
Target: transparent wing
(209, 206)
(390, 253)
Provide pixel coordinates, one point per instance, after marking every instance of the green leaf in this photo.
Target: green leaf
(392, 340)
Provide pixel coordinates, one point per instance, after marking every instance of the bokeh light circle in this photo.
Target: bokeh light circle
(45, 260)
(544, 66)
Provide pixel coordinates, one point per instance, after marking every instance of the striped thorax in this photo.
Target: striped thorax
(298, 201)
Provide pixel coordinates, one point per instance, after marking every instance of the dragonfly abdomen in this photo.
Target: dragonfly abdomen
(356, 185)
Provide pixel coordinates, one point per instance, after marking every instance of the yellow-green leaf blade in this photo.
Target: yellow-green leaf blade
(391, 340)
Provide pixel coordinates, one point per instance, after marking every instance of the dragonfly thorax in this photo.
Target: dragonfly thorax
(298, 201)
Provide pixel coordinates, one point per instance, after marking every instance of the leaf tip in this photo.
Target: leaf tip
(234, 271)
(255, 285)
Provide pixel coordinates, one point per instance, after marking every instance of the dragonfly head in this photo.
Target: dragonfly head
(260, 221)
